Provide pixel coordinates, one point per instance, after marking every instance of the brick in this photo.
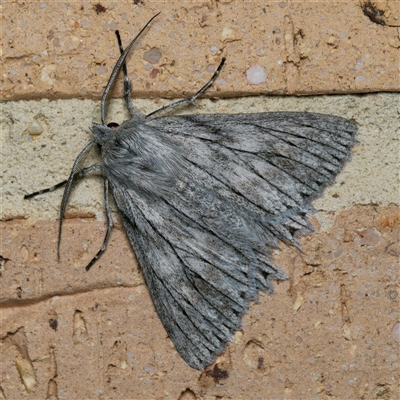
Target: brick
(67, 50)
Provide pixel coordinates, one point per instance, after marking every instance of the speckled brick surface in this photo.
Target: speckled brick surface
(68, 49)
(332, 331)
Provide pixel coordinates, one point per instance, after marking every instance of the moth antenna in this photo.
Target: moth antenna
(67, 191)
(117, 67)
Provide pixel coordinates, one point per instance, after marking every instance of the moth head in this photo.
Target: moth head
(102, 133)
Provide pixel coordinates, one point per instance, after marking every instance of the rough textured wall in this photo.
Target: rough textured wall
(331, 331)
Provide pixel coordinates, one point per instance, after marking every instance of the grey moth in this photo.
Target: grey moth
(204, 200)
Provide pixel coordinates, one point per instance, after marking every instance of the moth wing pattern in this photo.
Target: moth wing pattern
(204, 245)
(271, 165)
(200, 296)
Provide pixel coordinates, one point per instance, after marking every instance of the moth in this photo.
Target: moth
(205, 198)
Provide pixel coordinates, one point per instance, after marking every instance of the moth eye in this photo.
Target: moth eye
(113, 125)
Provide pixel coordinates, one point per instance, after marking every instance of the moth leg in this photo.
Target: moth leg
(77, 176)
(190, 99)
(110, 224)
(127, 83)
